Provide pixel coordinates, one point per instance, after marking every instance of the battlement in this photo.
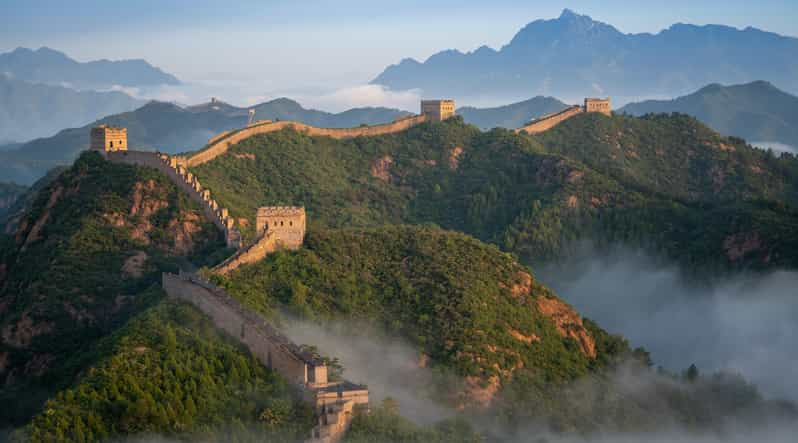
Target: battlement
(437, 110)
(601, 105)
(287, 223)
(548, 121)
(106, 138)
(281, 211)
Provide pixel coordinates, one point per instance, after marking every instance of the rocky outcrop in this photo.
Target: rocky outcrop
(567, 322)
(173, 168)
(380, 168)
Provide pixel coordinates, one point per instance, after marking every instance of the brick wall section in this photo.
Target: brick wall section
(269, 346)
(220, 145)
(186, 182)
(335, 401)
(264, 245)
(548, 121)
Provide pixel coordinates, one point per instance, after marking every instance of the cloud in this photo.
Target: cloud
(776, 146)
(389, 366)
(743, 323)
(365, 95)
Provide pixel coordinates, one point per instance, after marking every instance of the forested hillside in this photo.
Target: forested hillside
(91, 349)
(169, 128)
(593, 177)
(502, 347)
(170, 372)
(79, 263)
(757, 111)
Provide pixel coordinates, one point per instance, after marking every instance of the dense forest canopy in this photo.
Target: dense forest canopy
(426, 235)
(665, 182)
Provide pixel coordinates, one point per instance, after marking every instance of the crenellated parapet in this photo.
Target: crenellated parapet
(548, 121)
(187, 182)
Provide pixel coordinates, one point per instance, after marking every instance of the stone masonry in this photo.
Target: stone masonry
(187, 182)
(437, 110)
(599, 105)
(222, 142)
(431, 110)
(287, 222)
(335, 401)
(106, 138)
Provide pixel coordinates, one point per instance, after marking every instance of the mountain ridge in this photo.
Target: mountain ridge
(45, 65)
(172, 129)
(32, 110)
(757, 111)
(576, 53)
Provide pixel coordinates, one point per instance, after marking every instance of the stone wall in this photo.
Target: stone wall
(335, 402)
(437, 110)
(263, 245)
(186, 182)
(548, 121)
(600, 105)
(106, 138)
(269, 346)
(286, 222)
(220, 145)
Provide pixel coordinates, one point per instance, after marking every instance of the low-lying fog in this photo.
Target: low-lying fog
(776, 147)
(746, 323)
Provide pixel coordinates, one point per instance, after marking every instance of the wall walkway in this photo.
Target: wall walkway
(188, 183)
(335, 402)
(219, 144)
(549, 121)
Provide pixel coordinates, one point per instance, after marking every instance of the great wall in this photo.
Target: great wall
(222, 142)
(277, 227)
(549, 121)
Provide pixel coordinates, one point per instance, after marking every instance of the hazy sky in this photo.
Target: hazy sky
(266, 48)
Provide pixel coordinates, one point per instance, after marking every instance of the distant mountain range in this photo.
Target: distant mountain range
(29, 110)
(511, 116)
(170, 128)
(757, 111)
(45, 65)
(573, 55)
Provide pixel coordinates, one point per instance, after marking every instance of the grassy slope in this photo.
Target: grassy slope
(532, 195)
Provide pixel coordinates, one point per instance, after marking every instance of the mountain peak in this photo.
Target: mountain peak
(567, 14)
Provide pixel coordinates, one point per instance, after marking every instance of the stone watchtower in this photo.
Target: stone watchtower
(106, 138)
(601, 105)
(437, 110)
(286, 222)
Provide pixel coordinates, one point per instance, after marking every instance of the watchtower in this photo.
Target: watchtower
(437, 110)
(286, 222)
(601, 105)
(106, 138)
